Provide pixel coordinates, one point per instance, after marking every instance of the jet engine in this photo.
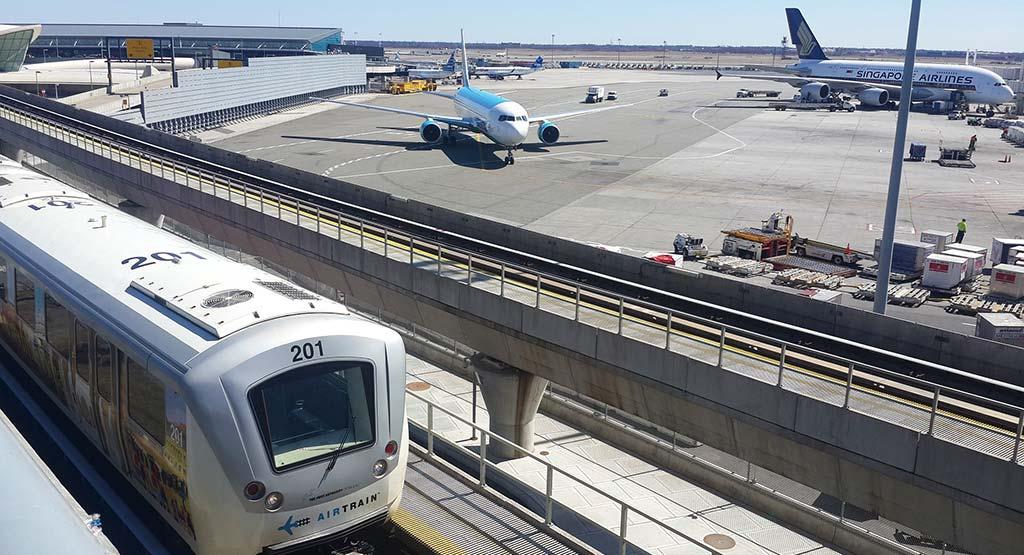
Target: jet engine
(873, 97)
(815, 92)
(548, 132)
(430, 131)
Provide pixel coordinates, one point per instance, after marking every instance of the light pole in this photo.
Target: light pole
(892, 202)
(664, 53)
(44, 55)
(90, 73)
(552, 47)
(37, 83)
(618, 55)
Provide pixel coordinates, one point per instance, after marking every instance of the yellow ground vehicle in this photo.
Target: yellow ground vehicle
(416, 85)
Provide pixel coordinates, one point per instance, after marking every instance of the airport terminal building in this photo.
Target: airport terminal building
(60, 40)
(14, 43)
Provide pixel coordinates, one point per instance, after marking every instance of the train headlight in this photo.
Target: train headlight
(273, 501)
(391, 448)
(254, 490)
(379, 468)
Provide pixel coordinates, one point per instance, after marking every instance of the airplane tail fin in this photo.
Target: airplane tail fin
(800, 33)
(539, 62)
(465, 60)
(450, 64)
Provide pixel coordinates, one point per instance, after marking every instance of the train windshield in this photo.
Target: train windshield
(308, 413)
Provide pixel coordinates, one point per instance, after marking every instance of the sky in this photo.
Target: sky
(865, 23)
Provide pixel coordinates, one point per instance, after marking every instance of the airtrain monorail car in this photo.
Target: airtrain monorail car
(253, 415)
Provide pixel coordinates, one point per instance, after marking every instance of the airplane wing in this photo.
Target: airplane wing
(550, 117)
(847, 85)
(453, 121)
(449, 96)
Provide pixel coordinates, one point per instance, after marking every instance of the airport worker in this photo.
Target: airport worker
(974, 139)
(961, 230)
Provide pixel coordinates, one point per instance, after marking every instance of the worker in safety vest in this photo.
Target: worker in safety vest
(961, 230)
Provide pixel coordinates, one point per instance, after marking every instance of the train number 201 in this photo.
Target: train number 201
(307, 351)
(140, 261)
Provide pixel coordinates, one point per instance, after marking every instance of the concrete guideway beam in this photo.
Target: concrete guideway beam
(512, 397)
(877, 465)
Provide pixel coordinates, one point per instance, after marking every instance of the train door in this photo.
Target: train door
(105, 397)
(82, 379)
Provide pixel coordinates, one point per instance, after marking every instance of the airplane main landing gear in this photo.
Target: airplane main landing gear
(509, 158)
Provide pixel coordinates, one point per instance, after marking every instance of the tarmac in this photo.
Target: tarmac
(697, 161)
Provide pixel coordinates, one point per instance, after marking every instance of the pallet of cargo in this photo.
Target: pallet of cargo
(787, 261)
(898, 294)
(972, 305)
(805, 279)
(737, 266)
(899, 277)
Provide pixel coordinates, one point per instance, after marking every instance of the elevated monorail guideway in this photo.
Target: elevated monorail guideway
(963, 415)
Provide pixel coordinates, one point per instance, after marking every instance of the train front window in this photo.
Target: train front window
(308, 413)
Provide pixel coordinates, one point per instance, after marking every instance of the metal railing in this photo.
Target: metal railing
(486, 436)
(1006, 421)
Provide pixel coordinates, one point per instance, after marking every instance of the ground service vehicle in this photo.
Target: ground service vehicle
(612, 95)
(595, 94)
(253, 415)
(663, 92)
(689, 246)
(747, 93)
(824, 251)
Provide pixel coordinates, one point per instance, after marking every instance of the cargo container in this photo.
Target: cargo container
(941, 239)
(942, 271)
(975, 261)
(1008, 281)
(972, 248)
(1015, 253)
(1001, 327)
(907, 256)
(1000, 252)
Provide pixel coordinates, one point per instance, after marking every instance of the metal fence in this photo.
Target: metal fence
(949, 414)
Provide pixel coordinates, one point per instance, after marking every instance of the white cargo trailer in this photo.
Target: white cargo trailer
(1001, 327)
(942, 271)
(941, 239)
(975, 261)
(1008, 281)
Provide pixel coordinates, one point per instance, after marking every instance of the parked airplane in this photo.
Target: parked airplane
(499, 119)
(501, 72)
(878, 83)
(443, 72)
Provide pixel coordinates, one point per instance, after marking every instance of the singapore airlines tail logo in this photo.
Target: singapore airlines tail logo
(807, 42)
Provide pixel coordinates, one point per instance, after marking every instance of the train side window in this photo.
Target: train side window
(146, 400)
(104, 369)
(83, 362)
(25, 298)
(3, 279)
(58, 326)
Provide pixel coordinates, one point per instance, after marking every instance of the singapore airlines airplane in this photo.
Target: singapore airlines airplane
(501, 120)
(878, 83)
(501, 72)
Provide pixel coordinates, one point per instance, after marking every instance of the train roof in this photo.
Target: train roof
(175, 297)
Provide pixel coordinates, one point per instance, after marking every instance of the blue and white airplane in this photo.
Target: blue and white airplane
(878, 83)
(501, 120)
(443, 72)
(501, 72)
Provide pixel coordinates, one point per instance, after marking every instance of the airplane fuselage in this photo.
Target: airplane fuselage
(931, 81)
(503, 121)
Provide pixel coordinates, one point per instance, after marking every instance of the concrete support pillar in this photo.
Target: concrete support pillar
(512, 397)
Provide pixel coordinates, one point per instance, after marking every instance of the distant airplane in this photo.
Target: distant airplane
(878, 83)
(501, 72)
(501, 120)
(443, 72)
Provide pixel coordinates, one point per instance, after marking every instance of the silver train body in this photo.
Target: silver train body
(253, 415)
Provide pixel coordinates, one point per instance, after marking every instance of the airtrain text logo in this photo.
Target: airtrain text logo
(328, 514)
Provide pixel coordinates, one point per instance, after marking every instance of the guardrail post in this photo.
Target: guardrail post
(362, 233)
(318, 219)
(623, 519)
(439, 259)
(548, 510)
(622, 308)
(412, 246)
(668, 332)
(483, 458)
(385, 242)
(721, 346)
(1016, 442)
(261, 204)
(576, 318)
(430, 429)
(782, 364)
(537, 305)
(469, 273)
(501, 285)
(279, 206)
(935, 409)
(849, 386)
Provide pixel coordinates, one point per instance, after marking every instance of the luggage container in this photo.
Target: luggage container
(1008, 281)
(942, 271)
(1015, 253)
(1000, 252)
(972, 248)
(1001, 327)
(941, 239)
(907, 256)
(975, 261)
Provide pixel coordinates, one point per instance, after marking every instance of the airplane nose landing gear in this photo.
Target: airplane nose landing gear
(509, 158)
